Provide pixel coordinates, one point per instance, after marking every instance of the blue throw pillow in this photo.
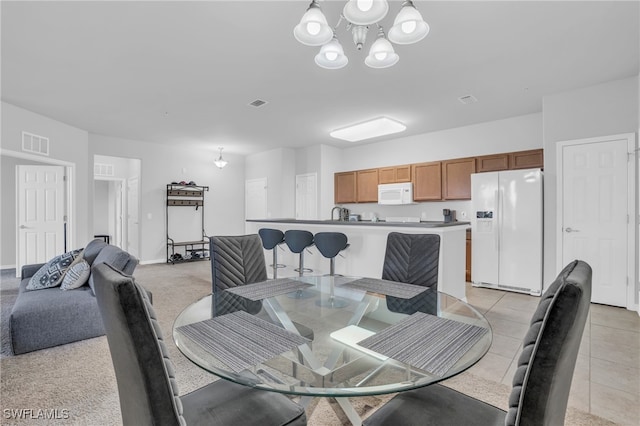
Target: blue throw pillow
(51, 274)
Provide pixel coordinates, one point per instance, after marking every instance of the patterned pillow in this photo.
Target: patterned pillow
(50, 275)
(76, 276)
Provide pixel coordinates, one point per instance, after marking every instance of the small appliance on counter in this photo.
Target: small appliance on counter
(449, 215)
(354, 218)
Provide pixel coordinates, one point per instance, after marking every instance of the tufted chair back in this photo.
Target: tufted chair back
(145, 375)
(235, 261)
(542, 380)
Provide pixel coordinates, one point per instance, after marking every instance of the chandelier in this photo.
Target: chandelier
(313, 30)
(220, 162)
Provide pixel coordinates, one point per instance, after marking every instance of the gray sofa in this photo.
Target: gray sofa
(51, 317)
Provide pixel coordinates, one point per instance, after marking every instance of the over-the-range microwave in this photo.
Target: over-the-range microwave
(395, 193)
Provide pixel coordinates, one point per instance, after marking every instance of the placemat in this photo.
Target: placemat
(266, 289)
(425, 341)
(388, 288)
(241, 340)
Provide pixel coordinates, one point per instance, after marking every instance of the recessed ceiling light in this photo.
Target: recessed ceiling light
(380, 126)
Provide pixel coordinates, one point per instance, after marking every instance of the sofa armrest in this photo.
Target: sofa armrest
(29, 270)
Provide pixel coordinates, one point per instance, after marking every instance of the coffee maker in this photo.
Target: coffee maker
(449, 215)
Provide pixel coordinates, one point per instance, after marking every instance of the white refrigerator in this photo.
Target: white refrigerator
(506, 230)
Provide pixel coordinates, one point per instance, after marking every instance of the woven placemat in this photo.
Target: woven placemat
(426, 342)
(241, 340)
(386, 287)
(266, 289)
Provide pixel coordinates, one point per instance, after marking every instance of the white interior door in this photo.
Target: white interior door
(255, 201)
(306, 197)
(40, 213)
(133, 216)
(594, 197)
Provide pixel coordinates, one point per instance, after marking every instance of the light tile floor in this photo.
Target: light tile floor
(606, 381)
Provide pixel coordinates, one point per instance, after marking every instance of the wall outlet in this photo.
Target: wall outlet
(463, 214)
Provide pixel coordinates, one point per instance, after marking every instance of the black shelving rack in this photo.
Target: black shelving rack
(186, 251)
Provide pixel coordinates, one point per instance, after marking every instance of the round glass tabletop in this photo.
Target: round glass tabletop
(332, 336)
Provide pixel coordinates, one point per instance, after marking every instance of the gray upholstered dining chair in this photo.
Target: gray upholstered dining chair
(542, 380)
(238, 260)
(145, 374)
(412, 259)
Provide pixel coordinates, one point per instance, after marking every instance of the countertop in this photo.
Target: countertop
(426, 224)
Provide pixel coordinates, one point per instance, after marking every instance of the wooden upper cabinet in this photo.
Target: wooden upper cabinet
(427, 181)
(367, 186)
(344, 190)
(526, 159)
(492, 163)
(394, 174)
(456, 178)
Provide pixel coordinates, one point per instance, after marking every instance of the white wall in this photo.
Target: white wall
(600, 110)
(66, 143)
(161, 165)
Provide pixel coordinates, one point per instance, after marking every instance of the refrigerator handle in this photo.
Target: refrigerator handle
(496, 229)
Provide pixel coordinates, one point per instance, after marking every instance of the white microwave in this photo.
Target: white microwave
(395, 193)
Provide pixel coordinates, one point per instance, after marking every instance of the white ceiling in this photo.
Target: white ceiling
(184, 72)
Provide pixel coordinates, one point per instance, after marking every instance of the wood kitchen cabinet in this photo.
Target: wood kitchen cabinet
(394, 174)
(427, 181)
(492, 163)
(367, 186)
(456, 178)
(526, 159)
(344, 190)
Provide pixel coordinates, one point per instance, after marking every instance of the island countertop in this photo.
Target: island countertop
(421, 224)
(367, 245)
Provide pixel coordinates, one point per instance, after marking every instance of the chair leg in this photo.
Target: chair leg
(332, 302)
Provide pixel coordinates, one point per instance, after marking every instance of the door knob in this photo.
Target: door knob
(571, 230)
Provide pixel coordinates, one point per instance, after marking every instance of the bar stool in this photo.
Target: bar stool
(271, 239)
(298, 241)
(330, 244)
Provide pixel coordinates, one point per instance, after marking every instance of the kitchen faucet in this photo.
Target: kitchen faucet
(339, 212)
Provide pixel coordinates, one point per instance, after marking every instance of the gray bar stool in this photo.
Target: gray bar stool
(297, 241)
(271, 239)
(330, 244)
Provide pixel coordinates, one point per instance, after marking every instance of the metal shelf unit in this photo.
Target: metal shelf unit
(186, 251)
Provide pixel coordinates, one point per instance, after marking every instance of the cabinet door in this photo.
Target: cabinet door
(492, 163)
(427, 181)
(526, 159)
(367, 186)
(403, 173)
(468, 257)
(387, 175)
(456, 178)
(344, 190)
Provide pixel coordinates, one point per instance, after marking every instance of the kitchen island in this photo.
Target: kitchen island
(367, 243)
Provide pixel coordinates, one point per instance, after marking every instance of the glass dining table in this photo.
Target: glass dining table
(332, 336)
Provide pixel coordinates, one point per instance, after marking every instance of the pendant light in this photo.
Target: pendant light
(220, 162)
(381, 54)
(313, 29)
(331, 55)
(365, 12)
(408, 27)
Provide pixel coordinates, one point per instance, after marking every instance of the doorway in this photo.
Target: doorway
(596, 213)
(306, 197)
(116, 203)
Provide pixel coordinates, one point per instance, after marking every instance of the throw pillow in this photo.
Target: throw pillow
(51, 273)
(76, 276)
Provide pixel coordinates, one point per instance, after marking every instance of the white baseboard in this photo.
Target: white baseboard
(151, 262)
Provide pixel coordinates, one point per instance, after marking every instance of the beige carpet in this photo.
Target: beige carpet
(78, 382)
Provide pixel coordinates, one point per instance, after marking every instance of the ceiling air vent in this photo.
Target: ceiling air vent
(257, 103)
(35, 144)
(467, 99)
